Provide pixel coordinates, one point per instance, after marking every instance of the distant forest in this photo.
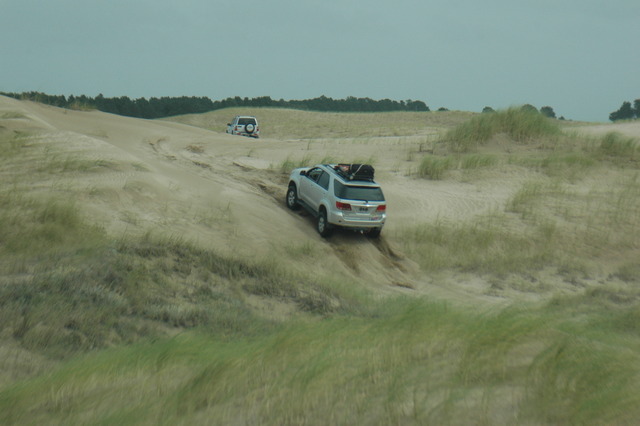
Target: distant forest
(626, 111)
(169, 106)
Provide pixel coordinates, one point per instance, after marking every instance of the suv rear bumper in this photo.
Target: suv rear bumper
(339, 219)
(252, 135)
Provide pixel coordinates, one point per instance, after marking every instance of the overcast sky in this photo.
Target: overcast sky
(581, 57)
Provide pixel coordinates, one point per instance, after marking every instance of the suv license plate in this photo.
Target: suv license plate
(363, 209)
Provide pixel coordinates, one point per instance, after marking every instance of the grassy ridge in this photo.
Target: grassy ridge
(551, 221)
(77, 290)
(520, 124)
(547, 223)
(67, 287)
(413, 362)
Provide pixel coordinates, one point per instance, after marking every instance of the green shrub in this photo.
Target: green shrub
(433, 167)
(484, 246)
(520, 124)
(289, 164)
(477, 161)
(615, 145)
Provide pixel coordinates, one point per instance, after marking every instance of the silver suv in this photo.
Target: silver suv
(339, 195)
(244, 125)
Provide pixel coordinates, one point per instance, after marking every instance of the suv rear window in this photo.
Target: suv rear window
(350, 192)
(243, 121)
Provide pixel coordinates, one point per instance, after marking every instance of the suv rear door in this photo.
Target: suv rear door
(247, 125)
(367, 202)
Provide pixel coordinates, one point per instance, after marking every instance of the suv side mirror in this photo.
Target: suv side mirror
(303, 173)
(228, 124)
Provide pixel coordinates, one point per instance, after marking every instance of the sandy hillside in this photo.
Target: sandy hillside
(227, 192)
(629, 129)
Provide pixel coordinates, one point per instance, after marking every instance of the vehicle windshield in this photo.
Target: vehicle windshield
(247, 120)
(365, 193)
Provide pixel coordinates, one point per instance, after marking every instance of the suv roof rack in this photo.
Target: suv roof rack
(359, 172)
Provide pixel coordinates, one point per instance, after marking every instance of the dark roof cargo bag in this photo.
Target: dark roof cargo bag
(357, 171)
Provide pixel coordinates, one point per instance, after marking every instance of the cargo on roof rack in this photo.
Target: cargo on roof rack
(356, 171)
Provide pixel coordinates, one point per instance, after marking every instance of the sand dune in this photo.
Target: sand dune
(216, 190)
(629, 129)
(226, 192)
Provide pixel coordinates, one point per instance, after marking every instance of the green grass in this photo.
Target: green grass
(412, 362)
(67, 287)
(71, 164)
(544, 224)
(80, 294)
(11, 115)
(289, 164)
(31, 226)
(477, 161)
(487, 245)
(519, 124)
(573, 158)
(619, 148)
(435, 167)
(294, 124)
(556, 224)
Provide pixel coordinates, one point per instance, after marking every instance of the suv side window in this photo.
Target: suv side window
(314, 174)
(324, 180)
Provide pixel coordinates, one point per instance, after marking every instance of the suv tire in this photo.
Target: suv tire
(292, 198)
(323, 226)
(249, 128)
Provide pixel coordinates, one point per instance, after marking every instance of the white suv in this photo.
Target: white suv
(244, 125)
(339, 195)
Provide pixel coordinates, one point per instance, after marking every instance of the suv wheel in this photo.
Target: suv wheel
(249, 128)
(292, 198)
(324, 228)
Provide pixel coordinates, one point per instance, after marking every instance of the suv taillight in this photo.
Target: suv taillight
(382, 208)
(343, 206)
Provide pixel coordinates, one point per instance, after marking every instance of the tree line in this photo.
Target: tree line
(546, 111)
(626, 111)
(170, 106)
